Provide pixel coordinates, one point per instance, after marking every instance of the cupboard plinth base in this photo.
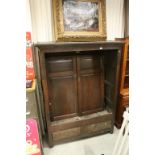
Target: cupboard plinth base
(80, 127)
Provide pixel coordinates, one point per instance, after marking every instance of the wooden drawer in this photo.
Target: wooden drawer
(66, 134)
(80, 127)
(96, 127)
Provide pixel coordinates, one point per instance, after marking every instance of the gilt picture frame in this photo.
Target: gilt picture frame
(79, 20)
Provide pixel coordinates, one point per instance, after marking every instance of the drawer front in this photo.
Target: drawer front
(96, 127)
(85, 126)
(81, 132)
(66, 134)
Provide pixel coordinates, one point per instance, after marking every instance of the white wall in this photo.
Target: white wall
(28, 17)
(41, 20)
(42, 25)
(115, 19)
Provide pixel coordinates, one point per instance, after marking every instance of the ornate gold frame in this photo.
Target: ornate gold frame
(61, 35)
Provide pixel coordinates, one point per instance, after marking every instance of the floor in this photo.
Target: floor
(98, 145)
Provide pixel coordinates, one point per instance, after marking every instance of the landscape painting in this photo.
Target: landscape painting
(80, 16)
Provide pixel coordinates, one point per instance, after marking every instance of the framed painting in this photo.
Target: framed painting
(79, 20)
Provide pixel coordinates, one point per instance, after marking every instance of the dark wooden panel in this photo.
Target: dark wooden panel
(89, 62)
(81, 136)
(109, 92)
(91, 95)
(62, 86)
(66, 134)
(110, 78)
(96, 127)
(59, 64)
(63, 96)
(55, 47)
(78, 127)
(80, 121)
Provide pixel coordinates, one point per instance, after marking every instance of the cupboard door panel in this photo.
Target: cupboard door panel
(91, 99)
(89, 62)
(60, 64)
(63, 97)
(90, 81)
(62, 85)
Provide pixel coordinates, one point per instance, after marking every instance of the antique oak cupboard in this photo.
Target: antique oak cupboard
(80, 87)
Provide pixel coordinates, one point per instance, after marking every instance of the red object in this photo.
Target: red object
(32, 138)
(28, 36)
(30, 75)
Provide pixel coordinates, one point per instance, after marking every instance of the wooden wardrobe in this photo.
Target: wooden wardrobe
(80, 85)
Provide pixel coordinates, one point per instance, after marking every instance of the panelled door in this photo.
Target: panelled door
(90, 83)
(62, 83)
(75, 84)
